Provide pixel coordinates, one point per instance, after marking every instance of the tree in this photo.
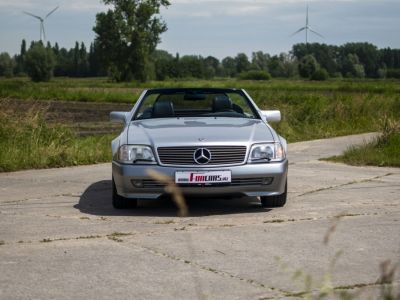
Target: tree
(20, 59)
(307, 66)
(288, 65)
(63, 66)
(351, 67)
(212, 67)
(127, 35)
(39, 62)
(95, 66)
(191, 66)
(242, 63)
(165, 65)
(326, 55)
(259, 61)
(76, 60)
(6, 65)
(229, 66)
(275, 66)
(368, 56)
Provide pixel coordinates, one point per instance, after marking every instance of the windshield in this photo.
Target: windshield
(195, 103)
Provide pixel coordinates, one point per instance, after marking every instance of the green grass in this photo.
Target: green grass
(85, 90)
(310, 110)
(378, 153)
(384, 151)
(28, 142)
(102, 90)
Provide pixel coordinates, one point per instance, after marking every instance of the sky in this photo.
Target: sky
(218, 28)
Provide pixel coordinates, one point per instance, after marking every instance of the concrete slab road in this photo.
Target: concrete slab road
(60, 237)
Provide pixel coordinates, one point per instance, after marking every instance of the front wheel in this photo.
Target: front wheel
(274, 201)
(120, 202)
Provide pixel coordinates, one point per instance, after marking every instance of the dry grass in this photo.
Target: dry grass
(27, 142)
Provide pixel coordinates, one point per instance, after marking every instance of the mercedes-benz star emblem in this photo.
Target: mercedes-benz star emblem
(202, 156)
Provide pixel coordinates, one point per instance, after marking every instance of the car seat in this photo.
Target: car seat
(163, 109)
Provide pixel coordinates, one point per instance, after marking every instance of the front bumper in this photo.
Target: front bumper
(124, 175)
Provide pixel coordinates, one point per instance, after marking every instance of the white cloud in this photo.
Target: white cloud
(43, 6)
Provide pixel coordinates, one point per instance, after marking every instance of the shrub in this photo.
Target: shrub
(320, 75)
(393, 73)
(255, 75)
(308, 65)
(39, 63)
(382, 73)
(6, 65)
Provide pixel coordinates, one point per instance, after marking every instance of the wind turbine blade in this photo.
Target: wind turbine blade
(320, 35)
(32, 15)
(307, 17)
(51, 12)
(300, 30)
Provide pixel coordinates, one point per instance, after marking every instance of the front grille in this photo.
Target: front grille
(220, 155)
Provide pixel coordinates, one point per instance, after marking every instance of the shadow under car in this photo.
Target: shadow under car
(96, 200)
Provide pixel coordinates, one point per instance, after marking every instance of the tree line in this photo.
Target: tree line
(125, 48)
(352, 60)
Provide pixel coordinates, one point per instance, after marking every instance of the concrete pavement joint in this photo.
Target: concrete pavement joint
(17, 202)
(212, 270)
(345, 184)
(115, 236)
(362, 285)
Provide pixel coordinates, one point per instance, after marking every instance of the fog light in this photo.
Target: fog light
(137, 183)
(267, 180)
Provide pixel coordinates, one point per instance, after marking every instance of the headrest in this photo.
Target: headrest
(222, 103)
(163, 109)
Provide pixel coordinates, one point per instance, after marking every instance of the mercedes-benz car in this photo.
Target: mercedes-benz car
(211, 142)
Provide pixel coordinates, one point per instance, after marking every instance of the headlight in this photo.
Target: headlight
(262, 153)
(136, 154)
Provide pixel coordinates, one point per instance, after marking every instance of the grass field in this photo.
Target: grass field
(28, 142)
(383, 152)
(310, 110)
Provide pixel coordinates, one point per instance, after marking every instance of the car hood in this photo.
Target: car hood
(198, 131)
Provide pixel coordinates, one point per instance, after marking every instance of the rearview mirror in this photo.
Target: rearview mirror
(271, 115)
(118, 116)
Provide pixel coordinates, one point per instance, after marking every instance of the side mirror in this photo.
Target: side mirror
(118, 116)
(271, 115)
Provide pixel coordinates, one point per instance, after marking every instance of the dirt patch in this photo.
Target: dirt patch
(85, 117)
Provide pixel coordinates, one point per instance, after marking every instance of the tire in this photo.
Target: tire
(120, 202)
(274, 201)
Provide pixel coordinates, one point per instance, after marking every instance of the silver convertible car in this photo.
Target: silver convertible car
(211, 142)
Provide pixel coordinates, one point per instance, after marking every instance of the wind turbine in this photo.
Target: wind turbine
(307, 28)
(42, 31)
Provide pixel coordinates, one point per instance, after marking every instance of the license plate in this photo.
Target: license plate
(203, 177)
